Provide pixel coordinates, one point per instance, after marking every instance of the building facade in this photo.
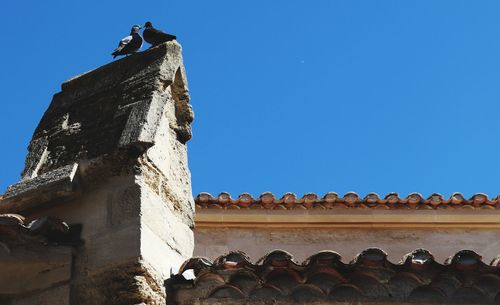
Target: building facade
(104, 214)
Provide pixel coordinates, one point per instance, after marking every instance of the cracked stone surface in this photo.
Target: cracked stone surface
(114, 112)
(110, 155)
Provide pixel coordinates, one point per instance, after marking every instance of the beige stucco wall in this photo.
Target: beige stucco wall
(302, 242)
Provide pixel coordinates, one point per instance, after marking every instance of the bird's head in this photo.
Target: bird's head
(135, 29)
(148, 25)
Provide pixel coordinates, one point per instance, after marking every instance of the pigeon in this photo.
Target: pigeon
(154, 36)
(129, 44)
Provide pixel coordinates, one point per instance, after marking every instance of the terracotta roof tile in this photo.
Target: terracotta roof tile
(350, 200)
(15, 230)
(463, 278)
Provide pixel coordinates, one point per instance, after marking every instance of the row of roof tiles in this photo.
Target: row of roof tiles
(463, 278)
(267, 200)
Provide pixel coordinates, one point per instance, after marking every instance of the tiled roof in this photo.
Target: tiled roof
(463, 278)
(14, 229)
(349, 200)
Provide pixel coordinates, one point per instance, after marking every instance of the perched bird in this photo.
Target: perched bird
(154, 36)
(129, 44)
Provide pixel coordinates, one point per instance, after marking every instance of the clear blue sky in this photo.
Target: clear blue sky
(300, 96)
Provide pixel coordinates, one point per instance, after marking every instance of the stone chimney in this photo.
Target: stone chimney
(110, 154)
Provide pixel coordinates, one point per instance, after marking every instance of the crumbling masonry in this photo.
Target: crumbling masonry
(109, 158)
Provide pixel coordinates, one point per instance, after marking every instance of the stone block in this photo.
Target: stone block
(27, 270)
(112, 147)
(59, 295)
(56, 185)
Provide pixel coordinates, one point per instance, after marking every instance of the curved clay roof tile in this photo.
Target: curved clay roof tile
(372, 198)
(325, 278)
(204, 198)
(468, 295)
(45, 230)
(303, 293)
(330, 197)
(414, 198)
(267, 198)
(370, 256)
(245, 200)
(479, 198)
(224, 198)
(345, 292)
(466, 259)
(226, 291)
(245, 279)
(393, 198)
(351, 197)
(323, 257)
(309, 199)
(233, 259)
(418, 256)
(196, 264)
(276, 258)
(425, 294)
(12, 220)
(435, 199)
(457, 198)
(267, 292)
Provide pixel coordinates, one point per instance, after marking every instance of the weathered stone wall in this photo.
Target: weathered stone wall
(110, 154)
(348, 242)
(35, 275)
